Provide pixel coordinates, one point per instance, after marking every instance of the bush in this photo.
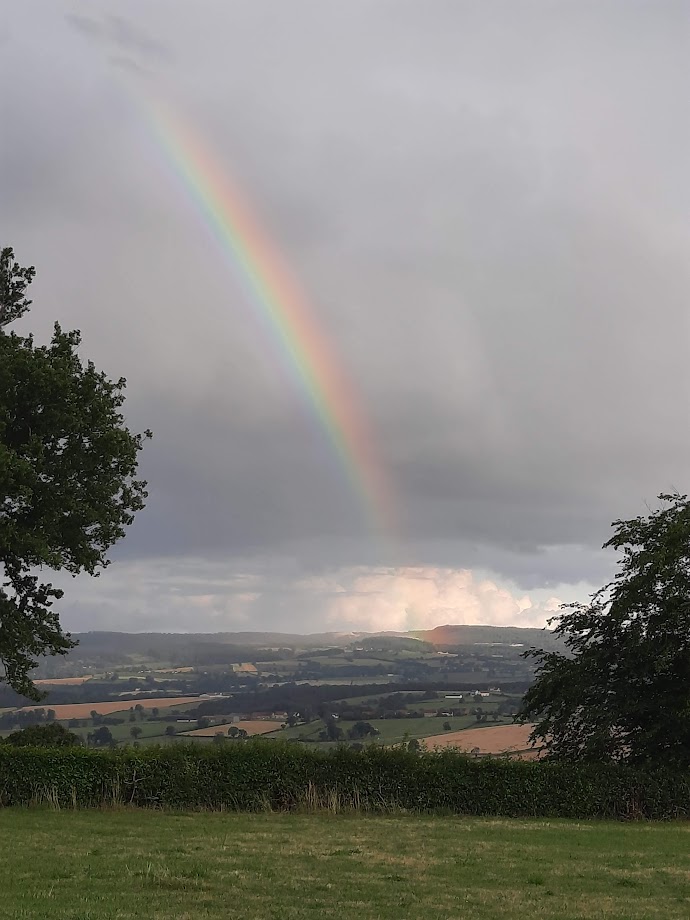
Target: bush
(260, 774)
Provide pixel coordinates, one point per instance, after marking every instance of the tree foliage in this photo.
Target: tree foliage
(53, 735)
(68, 485)
(621, 691)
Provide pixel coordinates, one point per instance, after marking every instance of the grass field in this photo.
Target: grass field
(392, 731)
(256, 727)
(124, 864)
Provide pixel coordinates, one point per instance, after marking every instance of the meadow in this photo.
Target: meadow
(128, 864)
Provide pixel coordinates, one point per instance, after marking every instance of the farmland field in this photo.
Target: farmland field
(83, 710)
(63, 681)
(130, 864)
(391, 731)
(255, 727)
(497, 739)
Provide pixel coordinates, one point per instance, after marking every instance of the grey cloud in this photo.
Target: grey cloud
(490, 223)
(116, 31)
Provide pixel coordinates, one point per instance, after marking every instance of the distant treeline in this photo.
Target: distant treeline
(301, 697)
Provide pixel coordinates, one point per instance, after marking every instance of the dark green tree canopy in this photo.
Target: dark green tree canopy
(68, 485)
(53, 735)
(622, 690)
(14, 281)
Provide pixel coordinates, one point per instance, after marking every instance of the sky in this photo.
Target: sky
(485, 208)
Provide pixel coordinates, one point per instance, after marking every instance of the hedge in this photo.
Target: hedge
(265, 775)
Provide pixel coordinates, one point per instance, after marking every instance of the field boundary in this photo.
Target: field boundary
(259, 775)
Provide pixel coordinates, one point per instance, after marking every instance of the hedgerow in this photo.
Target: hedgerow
(264, 775)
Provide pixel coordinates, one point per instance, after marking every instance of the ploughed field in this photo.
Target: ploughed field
(132, 864)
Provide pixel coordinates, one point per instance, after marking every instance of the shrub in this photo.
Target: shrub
(261, 774)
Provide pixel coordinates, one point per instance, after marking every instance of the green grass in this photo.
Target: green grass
(392, 731)
(105, 865)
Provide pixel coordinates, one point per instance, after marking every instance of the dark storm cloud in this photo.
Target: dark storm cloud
(487, 205)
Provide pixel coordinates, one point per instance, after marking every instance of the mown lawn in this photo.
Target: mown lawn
(131, 864)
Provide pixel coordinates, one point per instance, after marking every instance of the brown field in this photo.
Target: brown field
(63, 681)
(500, 739)
(84, 710)
(256, 727)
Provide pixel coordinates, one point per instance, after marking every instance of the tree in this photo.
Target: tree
(620, 691)
(101, 736)
(333, 731)
(67, 478)
(447, 727)
(170, 730)
(237, 733)
(52, 735)
(362, 730)
(135, 731)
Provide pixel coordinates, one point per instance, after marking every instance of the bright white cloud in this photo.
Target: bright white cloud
(158, 595)
(424, 597)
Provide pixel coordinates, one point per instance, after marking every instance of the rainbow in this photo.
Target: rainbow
(281, 304)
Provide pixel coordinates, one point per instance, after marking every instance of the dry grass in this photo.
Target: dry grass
(256, 727)
(84, 710)
(63, 681)
(498, 739)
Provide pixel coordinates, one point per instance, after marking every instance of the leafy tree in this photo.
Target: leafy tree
(362, 730)
(238, 733)
(52, 735)
(333, 731)
(447, 727)
(67, 478)
(621, 691)
(135, 731)
(101, 736)
(170, 730)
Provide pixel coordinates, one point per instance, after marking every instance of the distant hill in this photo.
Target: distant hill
(486, 635)
(450, 635)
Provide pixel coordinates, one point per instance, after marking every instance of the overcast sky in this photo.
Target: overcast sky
(486, 205)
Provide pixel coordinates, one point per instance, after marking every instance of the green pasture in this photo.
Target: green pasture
(104, 865)
(392, 731)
